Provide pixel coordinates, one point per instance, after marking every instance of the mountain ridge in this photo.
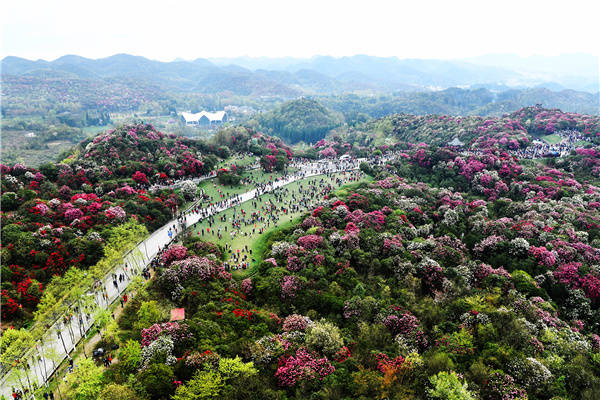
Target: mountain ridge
(350, 73)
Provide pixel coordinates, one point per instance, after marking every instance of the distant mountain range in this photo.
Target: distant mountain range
(568, 71)
(291, 77)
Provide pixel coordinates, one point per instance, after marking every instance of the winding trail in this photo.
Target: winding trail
(62, 337)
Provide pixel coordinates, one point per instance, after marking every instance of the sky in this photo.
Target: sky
(165, 30)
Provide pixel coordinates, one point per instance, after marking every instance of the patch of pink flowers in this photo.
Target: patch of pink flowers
(177, 332)
(289, 286)
(310, 241)
(174, 252)
(302, 366)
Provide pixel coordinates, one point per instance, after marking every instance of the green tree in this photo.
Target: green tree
(148, 314)
(120, 392)
(85, 383)
(9, 201)
(325, 337)
(447, 386)
(211, 384)
(157, 381)
(130, 355)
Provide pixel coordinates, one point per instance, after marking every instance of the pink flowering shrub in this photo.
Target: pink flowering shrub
(351, 228)
(502, 386)
(568, 274)
(328, 152)
(246, 286)
(73, 214)
(374, 219)
(591, 286)
(310, 242)
(174, 252)
(485, 270)
(543, 255)
(488, 244)
(139, 177)
(295, 322)
(115, 212)
(356, 201)
(389, 182)
(178, 332)
(403, 324)
(41, 208)
(355, 217)
(272, 261)
(294, 263)
(392, 244)
(317, 211)
(302, 366)
(190, 268)
(432, 275)
(289, 286)
(311, 221)
(319, 259)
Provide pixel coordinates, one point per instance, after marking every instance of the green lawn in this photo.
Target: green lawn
(214, 189)
(243, 238)
(552, 139)
(239, 161)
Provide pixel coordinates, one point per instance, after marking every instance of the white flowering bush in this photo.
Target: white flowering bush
(159, 351)
(519, 246)
(283, 248)
(188, 190)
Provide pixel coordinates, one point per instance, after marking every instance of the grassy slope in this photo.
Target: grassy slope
(257, 242)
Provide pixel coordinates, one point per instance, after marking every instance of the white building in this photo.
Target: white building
(204, 118)
(456, 143)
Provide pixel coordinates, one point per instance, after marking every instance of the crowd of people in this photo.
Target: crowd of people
(569, 140)
(267, 209)
(268, 202)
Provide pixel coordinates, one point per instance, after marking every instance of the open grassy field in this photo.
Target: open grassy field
(551, 139)
(244, 237)
(216, 191)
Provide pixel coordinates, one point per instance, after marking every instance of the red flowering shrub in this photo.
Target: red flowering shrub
(140, 177)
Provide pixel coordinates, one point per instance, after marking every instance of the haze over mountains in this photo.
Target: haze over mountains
(325, 74)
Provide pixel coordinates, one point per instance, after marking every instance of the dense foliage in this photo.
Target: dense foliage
(455, 101)
(513, 130)
(299, 120)
(482, 282)
(63, 214)
(454, 274)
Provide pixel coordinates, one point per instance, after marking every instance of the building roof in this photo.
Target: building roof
(212, 116)
(456, 142)
(177, 314)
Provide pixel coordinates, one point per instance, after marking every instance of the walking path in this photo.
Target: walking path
(62, 337)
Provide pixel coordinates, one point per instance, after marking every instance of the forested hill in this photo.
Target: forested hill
(521, 126)
(299, 120)
(455, 101)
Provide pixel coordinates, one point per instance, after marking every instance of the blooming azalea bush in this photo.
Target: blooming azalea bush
(173, 253)
(302, 366)
(468, 273)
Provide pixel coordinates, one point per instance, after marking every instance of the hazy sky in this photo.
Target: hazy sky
(166, 29)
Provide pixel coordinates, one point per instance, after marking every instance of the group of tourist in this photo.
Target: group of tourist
(569, 141)
(266, 211)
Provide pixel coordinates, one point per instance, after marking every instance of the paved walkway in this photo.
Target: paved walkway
(61, 338)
